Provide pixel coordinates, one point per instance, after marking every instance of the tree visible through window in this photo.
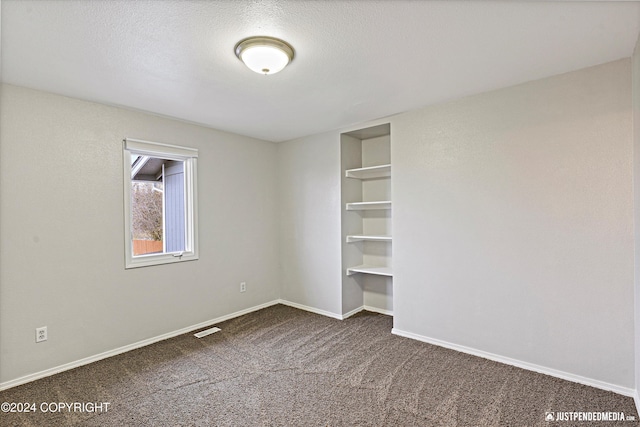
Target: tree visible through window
(146, 217)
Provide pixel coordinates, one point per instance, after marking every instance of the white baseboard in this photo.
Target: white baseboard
(335, 315)
(377, 310)
(501, 359)
(67, 366)
(636, 399)
(352, 312)
(524, 365)
(310, 309)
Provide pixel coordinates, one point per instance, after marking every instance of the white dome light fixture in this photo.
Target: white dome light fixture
(264, 55)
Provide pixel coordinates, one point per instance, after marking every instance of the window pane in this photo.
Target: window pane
(160, 203)
(174, 206)
(157, 206)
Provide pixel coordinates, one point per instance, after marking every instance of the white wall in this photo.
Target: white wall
(636, 198)
(310, 227)
(513, 223)
(61, 221)
(309, 186)
(512, 226)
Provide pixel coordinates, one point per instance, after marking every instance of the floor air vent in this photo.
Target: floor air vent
(206, 332)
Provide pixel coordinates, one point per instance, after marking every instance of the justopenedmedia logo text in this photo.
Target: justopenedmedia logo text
(587, 416)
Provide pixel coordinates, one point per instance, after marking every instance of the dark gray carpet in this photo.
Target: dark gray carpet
(285, 367)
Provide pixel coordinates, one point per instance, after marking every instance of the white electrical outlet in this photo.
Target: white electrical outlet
(243, 286)
(41, 334)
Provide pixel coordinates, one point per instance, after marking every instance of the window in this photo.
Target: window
(160, 203)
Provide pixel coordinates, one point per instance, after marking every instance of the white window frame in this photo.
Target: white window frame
(136, 147)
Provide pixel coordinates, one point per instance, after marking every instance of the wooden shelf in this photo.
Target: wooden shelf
(368, 237)
(362, 206)
(368, 269)
(382, 171)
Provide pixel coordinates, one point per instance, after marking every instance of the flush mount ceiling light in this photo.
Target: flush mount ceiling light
(264, 55)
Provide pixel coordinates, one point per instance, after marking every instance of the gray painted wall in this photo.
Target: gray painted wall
(636, 199)
(351, 223)
(309, 186)
(61, 221)
(512, 222)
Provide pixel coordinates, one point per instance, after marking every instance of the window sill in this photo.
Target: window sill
(148, 260)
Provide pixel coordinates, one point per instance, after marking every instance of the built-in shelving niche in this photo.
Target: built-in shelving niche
(366, 219)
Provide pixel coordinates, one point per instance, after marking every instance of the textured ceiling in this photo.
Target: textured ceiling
(355, 60)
